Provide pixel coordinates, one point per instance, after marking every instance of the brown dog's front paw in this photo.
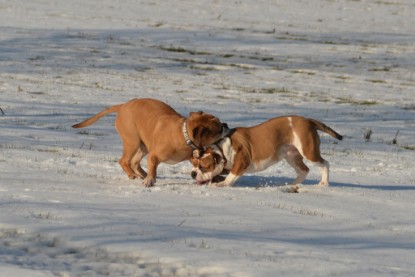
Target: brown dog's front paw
(149, 182)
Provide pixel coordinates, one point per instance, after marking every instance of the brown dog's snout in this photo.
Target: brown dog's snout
(193, 174)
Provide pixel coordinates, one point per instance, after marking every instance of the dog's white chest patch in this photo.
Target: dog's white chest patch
(228, 152)
(260, 165)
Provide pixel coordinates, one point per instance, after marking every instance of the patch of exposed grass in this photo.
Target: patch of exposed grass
(367, 103)
(307, 72)
(183, 50)
(350, 100)
(241, 66)
(389, 3)
(290, 36)
(409, 107)
(274, 90)
(49, 150)
(382, 69)
(281, 90)
(376, 81)
(158, 24)
(46, 216)
(90, 133)
(317, 96)
(342, 77)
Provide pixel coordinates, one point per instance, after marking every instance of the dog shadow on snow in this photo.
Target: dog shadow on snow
(252, 181)
(272, 181)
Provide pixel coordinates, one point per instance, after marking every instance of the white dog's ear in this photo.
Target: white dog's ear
(216, 157)
(219, 164)
(198, 153)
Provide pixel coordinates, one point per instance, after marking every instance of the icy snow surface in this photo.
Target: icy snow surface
(66, 207)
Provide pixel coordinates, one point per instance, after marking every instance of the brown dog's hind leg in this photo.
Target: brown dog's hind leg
(125, 161)
(136, 160)
(131, 145)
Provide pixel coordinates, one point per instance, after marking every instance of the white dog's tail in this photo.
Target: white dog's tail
(96, 117)
(324, 128)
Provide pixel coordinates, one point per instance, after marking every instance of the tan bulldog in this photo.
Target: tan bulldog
(151, 127)
(254, 149)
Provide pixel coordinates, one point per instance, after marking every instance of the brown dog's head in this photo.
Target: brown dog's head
(207, 167)
(205, 129)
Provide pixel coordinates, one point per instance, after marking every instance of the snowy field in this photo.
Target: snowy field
(66, 207)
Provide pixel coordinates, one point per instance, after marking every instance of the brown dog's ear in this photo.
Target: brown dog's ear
(195, 132)
(195, 113)
(198, 134)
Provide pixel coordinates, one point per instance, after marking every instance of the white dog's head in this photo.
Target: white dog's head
(208, 166)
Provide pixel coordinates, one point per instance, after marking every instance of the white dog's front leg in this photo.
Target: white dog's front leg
(228, 182)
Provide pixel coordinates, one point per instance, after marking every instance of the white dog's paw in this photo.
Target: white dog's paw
(219, 184)
(291, 188)
(295, 189)
(323, 184)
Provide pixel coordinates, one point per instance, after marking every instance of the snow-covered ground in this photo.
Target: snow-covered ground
(66, 207)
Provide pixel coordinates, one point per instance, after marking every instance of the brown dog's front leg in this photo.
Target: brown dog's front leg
(152, 163)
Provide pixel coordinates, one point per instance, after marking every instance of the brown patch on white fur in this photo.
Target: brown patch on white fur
(207, 167)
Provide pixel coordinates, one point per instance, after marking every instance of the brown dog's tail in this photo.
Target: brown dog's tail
(91, 120)
(324, 128)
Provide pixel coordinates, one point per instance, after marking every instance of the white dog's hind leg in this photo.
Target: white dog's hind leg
(324, 166)
(296, 161)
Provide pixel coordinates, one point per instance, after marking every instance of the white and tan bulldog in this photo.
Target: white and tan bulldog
(256, 148)
(149, 126)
